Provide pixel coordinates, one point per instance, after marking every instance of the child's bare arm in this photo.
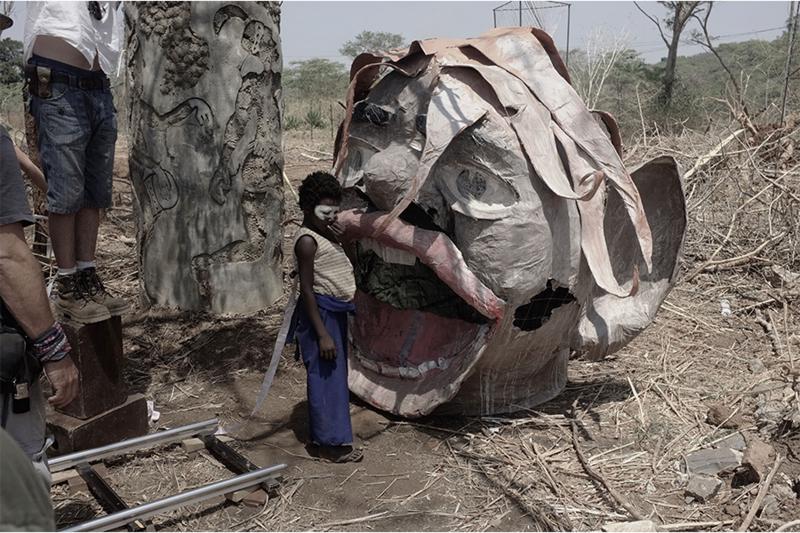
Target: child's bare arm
(32, 171)
(305, 249)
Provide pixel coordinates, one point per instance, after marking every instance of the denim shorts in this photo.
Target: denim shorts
(77, 132)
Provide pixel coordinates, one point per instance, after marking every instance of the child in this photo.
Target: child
(327, 287)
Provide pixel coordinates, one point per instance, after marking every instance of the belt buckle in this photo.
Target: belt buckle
(43, 75)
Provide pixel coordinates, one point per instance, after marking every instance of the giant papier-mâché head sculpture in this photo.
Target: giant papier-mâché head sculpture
(497, 228)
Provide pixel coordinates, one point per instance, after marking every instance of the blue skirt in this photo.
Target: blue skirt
(328, 394)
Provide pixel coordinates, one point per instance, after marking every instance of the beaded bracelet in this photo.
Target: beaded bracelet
(52, 345)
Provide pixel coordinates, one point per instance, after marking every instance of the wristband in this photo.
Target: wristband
(52, 345)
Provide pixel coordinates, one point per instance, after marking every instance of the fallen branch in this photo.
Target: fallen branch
(769, 329)
(289, 184)
(598, 478)
(741, 259)
(702, 161)
(685, 526)
(789, 525)
(385, 514)
(316, 159)
(545, 518)
(762, 493)
(367, 518)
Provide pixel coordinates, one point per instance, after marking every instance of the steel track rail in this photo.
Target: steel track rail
(148, 510)
(71, 460)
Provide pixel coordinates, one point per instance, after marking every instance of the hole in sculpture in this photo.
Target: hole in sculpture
(365, 111)
(533, 315)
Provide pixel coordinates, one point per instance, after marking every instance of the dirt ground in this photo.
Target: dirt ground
(634, 417)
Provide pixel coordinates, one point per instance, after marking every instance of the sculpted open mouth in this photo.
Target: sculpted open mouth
(423, 318)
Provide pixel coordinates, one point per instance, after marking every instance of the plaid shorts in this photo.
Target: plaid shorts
(77, 132)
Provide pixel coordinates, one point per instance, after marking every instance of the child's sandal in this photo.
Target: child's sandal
(355, 455)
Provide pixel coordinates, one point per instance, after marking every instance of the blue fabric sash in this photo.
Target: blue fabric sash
(328, 394)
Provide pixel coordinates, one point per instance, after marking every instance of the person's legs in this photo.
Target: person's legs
(87, 223)
(63, 130)
(62, 237)
(97, 196)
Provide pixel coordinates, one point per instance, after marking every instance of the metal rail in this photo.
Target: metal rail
(105, 495)
(148, 510)
(71, 460)
(234, 461)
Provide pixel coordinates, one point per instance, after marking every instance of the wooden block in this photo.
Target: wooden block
(193, 445)
(76, 485)
(238, 496)
(257, 498)
(224, 438)
(64, 476)
(122, 422)
(101, 470)
(97, 354)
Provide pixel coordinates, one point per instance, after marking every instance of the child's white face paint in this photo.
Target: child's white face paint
(326, 213)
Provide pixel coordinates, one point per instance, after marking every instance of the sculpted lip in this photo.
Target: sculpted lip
(408, 343)
(434, 249)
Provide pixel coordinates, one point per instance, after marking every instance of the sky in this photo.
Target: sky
(318, 29)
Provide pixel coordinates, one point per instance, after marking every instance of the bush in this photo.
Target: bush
(291, 122)
(314, 118)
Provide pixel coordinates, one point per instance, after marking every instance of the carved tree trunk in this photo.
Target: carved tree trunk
(205, 152)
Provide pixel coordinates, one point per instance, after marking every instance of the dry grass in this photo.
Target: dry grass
(633, 416)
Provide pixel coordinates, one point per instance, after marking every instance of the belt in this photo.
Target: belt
(86, 83)
(46, 75)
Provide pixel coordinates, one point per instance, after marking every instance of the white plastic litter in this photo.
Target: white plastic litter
(152, 415)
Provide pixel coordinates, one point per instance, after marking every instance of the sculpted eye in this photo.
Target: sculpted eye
(368, 112)
(477, 194)
(472, 186)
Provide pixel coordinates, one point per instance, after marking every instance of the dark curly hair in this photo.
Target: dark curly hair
(315, 187)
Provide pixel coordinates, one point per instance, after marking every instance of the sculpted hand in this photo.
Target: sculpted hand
(337, 230)
(63, 376)
(203, 113)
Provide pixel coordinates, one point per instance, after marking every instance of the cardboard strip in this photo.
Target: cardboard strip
(453, 108)
(532, 124)
(571, 114)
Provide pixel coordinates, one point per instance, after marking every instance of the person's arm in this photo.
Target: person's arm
(32, 171)
(305, 249)
(22, 290)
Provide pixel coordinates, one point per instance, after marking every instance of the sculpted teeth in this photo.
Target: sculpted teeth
(405, 372)
(387, 254)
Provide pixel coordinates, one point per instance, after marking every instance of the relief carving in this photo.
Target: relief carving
(205, 157)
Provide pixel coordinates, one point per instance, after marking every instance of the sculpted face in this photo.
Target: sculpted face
(487, 203)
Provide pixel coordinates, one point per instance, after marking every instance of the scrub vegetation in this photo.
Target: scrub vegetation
(721, 362)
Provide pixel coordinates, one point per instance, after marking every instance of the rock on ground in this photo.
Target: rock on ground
(703, 488)
(712, 461)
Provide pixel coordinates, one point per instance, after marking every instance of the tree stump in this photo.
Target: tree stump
(205, 161)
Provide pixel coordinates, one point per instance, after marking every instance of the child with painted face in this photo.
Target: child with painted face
(327, 287)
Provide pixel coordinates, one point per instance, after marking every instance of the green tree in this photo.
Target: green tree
(315, 78)
(678, 15)
(10, 61)
(371, 41)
